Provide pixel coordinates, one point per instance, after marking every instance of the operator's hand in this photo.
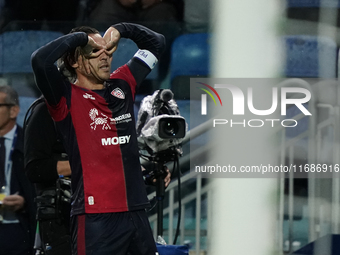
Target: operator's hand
(13, 202)
(63, 168)
(167, 178)
(151, 178)
(92, 49)
(112, 37)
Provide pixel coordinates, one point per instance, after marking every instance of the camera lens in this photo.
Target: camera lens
(171, 128)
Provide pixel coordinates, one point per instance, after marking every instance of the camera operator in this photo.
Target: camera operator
(46, 165)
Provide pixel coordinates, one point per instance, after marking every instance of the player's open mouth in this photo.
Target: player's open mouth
(104, 67)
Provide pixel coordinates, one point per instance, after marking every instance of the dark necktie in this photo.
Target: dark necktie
(2, 162)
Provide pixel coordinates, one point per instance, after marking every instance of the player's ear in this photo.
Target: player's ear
(75, 65)
(73, 60)
(14, 111)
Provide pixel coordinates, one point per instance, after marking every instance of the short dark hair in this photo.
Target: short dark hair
(11, 95)
(65, 62)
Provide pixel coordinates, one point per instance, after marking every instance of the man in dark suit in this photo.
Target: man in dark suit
(17, 210)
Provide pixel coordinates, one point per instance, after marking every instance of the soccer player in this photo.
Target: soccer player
(94, 113)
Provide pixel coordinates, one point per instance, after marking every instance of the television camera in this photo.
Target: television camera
(160, 131)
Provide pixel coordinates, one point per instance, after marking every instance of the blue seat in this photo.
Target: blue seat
(173, 249)
(190, 55)
(189, 58)
(310, 56)
(25, 103)
(126, 49)
(16, 48)
(312, 3)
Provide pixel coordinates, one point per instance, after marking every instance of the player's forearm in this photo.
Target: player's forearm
(46, 55)
(47, 76)
(145, 38)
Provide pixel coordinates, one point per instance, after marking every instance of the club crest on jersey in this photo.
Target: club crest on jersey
(117, 92)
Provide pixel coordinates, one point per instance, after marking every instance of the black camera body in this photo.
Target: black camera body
(160, 126)
(163, 132)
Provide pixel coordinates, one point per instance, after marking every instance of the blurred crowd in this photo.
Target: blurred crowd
(168, 17)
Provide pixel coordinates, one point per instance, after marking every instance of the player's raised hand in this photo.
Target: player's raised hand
(92, 49)
(112, 37)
